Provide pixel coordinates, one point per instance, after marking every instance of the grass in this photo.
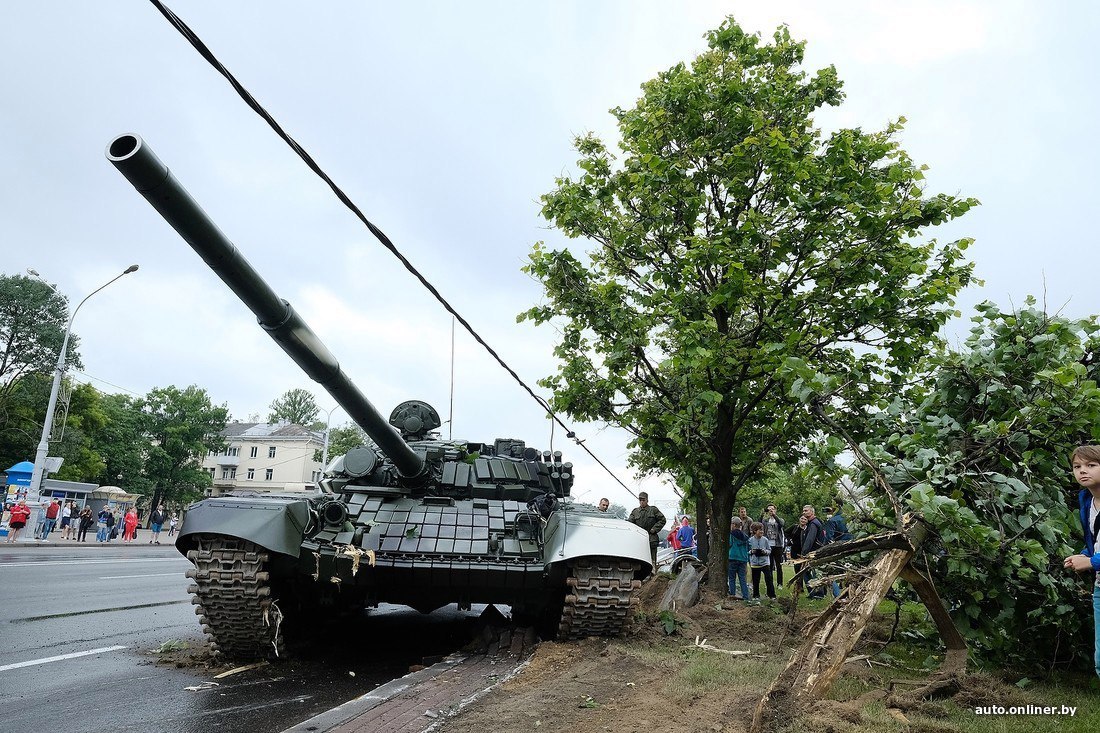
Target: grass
(984, 689)
(1086, 718)
(909, 657)
(699, 672)
(706, 672)
(172, 645)
(949, 717)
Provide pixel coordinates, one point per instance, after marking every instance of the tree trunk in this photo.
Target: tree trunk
(702, 528)
(721, 509)
(948, 679)
(830, 639)
(721, 494)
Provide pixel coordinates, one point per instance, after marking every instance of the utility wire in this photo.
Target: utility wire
(104, 381)
(207, 54)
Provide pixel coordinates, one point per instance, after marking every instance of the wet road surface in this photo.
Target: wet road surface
(78, 626)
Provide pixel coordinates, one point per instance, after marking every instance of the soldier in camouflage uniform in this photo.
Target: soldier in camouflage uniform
(651, 520)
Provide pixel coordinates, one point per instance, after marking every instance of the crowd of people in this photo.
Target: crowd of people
(757, 548)
(768, 543)
(73, 522)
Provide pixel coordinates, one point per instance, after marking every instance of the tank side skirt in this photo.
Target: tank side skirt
(276, 525)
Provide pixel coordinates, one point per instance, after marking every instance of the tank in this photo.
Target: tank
(409, 519)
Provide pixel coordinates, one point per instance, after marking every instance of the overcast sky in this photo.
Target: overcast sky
(445, 122)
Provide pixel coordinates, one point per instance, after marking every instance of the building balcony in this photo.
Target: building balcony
(228, 460)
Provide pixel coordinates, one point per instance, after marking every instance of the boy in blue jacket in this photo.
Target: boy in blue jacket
(1086, 469)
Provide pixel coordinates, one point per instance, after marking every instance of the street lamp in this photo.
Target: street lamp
(35, 488)
(324, 453)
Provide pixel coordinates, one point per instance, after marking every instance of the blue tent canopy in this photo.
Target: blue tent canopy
(20, 474)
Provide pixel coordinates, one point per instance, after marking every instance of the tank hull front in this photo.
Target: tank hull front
(401, 550)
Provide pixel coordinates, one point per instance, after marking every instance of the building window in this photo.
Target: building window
(269, 472)
(251, 473)
(229, 473)
(255, 450)
(211, 471)
(234, 451)
(271, 452)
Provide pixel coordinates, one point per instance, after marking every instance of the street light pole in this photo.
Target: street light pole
(35, 488)
(324, 453)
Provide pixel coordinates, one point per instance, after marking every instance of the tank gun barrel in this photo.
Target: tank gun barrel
(139, 164)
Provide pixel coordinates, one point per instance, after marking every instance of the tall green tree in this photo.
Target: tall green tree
(75, 426)
(83, 418)
(21, 415)
(791, 489)
(342, 439)
(33, 317)
(981, 448)
(730, 237)
(182, 425)
(296, 406)
(123, 445)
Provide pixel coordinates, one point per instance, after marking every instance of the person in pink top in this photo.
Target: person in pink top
(129, 523)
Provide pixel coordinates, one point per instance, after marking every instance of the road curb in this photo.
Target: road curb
(407, 695)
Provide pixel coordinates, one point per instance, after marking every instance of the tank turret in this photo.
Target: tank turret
(426, 523)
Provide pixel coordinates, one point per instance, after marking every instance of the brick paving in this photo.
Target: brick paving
(422, 700)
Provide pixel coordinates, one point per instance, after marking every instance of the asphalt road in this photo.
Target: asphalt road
(78, 626)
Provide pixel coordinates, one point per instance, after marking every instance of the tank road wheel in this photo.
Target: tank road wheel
(232, 597)
(599, 597)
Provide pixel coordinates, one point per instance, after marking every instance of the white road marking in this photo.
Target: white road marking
(60, 657)
(47, 563)
(149, 575)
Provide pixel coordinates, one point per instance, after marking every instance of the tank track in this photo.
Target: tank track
(600, 598)
(233, 600)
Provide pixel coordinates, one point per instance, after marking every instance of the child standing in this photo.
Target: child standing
(1086, 469)
(760, 560)
(739, 558)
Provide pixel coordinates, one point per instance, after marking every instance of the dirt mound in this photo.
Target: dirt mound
(647, 680)
(651, 679)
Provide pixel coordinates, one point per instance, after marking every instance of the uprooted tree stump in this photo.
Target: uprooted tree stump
(831, 637)
(684, 591)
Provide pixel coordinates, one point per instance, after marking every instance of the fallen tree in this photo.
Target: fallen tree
(831, 636)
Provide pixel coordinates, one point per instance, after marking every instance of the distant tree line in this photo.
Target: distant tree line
(141, 444)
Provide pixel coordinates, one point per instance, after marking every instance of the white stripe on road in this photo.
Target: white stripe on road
(59, 658)
(150, 575)
(87, 562)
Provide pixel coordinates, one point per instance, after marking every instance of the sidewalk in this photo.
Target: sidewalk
(55, 542)
(422, 700)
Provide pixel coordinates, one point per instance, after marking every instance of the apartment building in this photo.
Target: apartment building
(265, 457)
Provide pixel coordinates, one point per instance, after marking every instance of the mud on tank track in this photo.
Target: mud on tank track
(233, 599)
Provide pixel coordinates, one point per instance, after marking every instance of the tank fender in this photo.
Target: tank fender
(277, 524)
(568, 535)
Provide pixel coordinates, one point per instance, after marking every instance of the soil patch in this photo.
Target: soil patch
(650, 680)
(647, 680)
